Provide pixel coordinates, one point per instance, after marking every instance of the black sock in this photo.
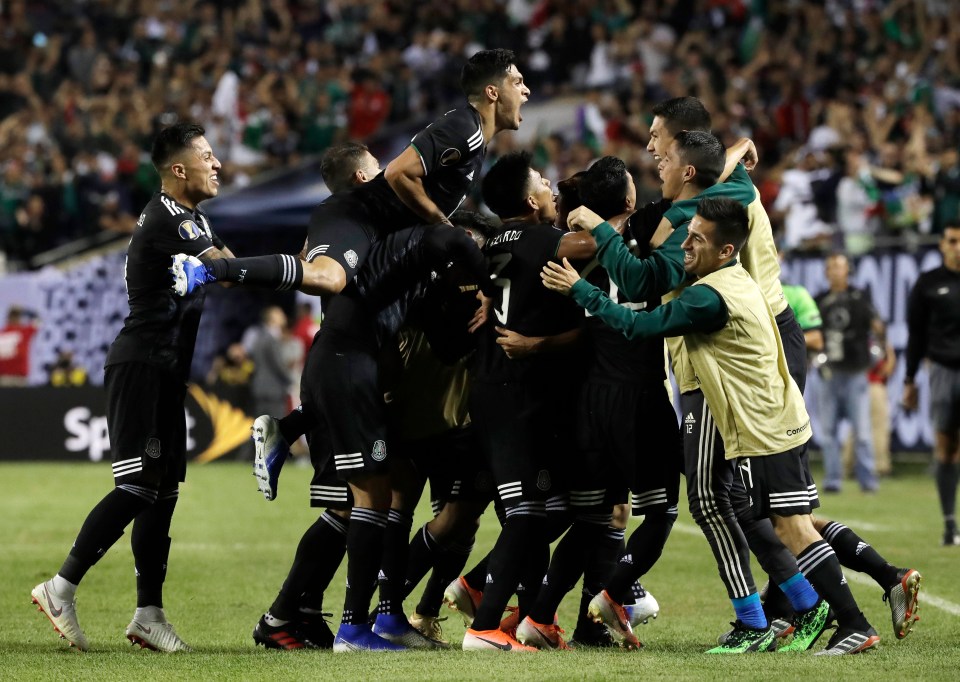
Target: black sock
(776, 604)
(276, 271)
(449, 564)
(597, 572)
(312, 599)
(102, 528)
(854, 553)
(151, 547)
(531, 580)
(364, 552)
(566, 566)
(422, 555)
(323, 542)
(601, 565)
(584, 623)
(946, 475)
(643, 550)
(294, 425)
(477, 576)
(776, 560)
(820, 565)
(521, 536)
(393, 566)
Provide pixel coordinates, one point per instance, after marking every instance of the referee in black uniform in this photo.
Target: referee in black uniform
(146, 374)
(933, 321)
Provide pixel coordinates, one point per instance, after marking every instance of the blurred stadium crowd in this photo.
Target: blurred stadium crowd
(853, 104)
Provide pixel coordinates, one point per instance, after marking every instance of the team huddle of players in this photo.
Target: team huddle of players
(449, 348)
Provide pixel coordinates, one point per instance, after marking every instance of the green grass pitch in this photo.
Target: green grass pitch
(231, 551)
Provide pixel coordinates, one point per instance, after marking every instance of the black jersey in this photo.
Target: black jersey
(452, 150)
(522, 304)
(161, 328)
(933, 320)
(612, 357)
(399, 269)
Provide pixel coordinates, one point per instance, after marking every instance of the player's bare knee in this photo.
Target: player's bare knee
(371, 491)
(621, 515)
(796, 532)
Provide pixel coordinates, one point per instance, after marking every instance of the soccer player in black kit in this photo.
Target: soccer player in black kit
(514, 402)
(422, 186)
(146, 374)
(627, 436)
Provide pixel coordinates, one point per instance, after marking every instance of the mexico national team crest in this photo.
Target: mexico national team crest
(379, 452)
(153, 448)
(543, 480)
(189, 230)
(351, 258)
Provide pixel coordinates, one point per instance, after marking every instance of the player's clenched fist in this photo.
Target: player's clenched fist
(582, 218)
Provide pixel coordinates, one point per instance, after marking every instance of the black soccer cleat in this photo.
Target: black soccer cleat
(288, 636)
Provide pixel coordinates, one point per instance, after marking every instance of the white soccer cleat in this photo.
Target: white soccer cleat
(641, 611)
(603, 609)
(62, 613)
(462, 598)
(270, 452)
(150, 629)
(181, 284)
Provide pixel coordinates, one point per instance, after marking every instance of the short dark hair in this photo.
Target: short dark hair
(730, 218)
(604, 188)
(339, 163)
(173, 140)
(504, 187)
(569, 190)
(484, 68)
(683, 113)
(703, 151)
(950, 225)
(475, 222)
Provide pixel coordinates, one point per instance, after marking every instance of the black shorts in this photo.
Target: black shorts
(453, 464)
(779, 484)
(794, 346)
(340, 385)
(327, 489)
(519, 427)
(148, 431)
(341, 228)
(628, 440)
(944, 398)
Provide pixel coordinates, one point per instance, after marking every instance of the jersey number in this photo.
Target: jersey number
(499, 262)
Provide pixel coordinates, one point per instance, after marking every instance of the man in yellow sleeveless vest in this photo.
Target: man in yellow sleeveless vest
(737, 358)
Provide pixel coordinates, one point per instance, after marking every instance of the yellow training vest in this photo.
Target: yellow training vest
(743, 373)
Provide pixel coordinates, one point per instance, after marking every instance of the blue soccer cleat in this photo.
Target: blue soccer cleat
(189, 273)
(361, 638)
